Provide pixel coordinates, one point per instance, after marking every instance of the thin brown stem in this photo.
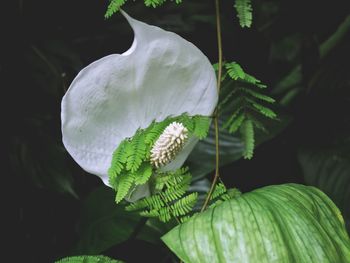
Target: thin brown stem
(216, 114)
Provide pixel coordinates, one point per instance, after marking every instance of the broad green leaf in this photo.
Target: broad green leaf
(281, 223)
(103, 223)
(88, 259)
(329, 170)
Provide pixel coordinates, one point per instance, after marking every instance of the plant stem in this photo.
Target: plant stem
(216, 114)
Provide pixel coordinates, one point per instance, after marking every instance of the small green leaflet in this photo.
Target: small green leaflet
(244, 12)
(115, 5)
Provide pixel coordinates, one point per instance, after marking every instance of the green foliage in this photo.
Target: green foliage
(201, 126)
(234, 70)
(115, 5)
(247, 132)
(170, 199)
(244, 12)
(282, 223)
(136, 152)
(221, 194)
(124, 183)
(88, 259)
(246, 106)
(130, 165)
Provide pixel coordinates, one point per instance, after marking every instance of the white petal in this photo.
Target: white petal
(161, 75)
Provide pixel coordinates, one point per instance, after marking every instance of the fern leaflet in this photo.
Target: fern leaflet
(118, 160)
(234, 70)
(244, 12)
(154, 3)
(247, 132)
(222, 194)
(136, 152)
(124, 184)
(113, 7)
(201, 126)
(143, 174)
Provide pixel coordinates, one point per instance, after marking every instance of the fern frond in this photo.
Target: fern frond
(263, 110)
(234, 70)
(154, 3)
(143, 173)
(136, 152)
(118, 160)
(184, 205)
(124, 183)
(155, 130)
(235, 121)
(247, 132)
(152, 202)
(177, 190)
(258, 95)
(219, 190)
(187, 121)
(113, 7)
(244, 12)
(201, 126)
(169, 179)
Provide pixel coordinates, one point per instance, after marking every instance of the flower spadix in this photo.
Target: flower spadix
(162, 75)
(169, 144)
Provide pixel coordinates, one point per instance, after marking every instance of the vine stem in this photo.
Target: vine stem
(216, 114)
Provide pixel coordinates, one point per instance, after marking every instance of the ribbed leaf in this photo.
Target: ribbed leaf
(244, 12)
(329, 169)
(285, 223)
(88, 259)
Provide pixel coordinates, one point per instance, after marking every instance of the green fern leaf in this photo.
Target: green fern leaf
(201, 126)
(247, 132)
(219, 190)
(264, 110)
(258, 95)
(118, 160)
(170, 179)
(236, 123)
(143, 174)
(136, 152)
(113, 7)
(177, 190)
(188, 122)
(154, 3)
(251, 79)
(151, 213)
(164, 214)
(244, 12)
(154, 131)
(124, 183)
(234, 70)
(184, 205)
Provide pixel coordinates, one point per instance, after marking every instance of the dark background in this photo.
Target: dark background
(46, 43)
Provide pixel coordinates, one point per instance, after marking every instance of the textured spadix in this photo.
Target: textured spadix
(161, 75)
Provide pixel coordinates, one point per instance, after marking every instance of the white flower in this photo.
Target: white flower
(161, 75)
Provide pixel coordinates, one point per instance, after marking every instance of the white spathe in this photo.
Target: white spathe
(161, 75)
